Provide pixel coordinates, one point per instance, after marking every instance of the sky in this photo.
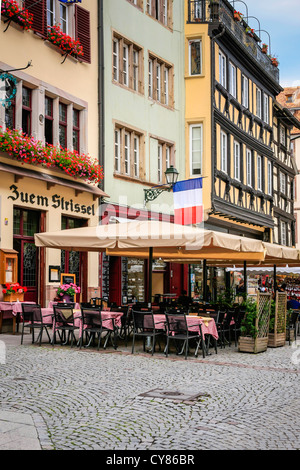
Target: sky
(281, 19)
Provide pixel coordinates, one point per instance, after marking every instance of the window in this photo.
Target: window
(249, 167)
(245, 91)
(283, 233)
(222, 69)
(259, 173)
(237, 151)
(198, 5)
(223, 152)
(26, 110)
(282, 134)
(69, 17)
(10, 110)
(128, 152)
(50, 12)
(63, 125)
(195, 57)
(76, 130)
(137, 3)
(63, 9)
(117, 150)
(266, 108)
(161, 10)
(270, 178)
(160, 81)
(282, 182)
(258, 102)
(48, 120)
(232, 79)
(196, 145)
(128, 71)
(159, 163)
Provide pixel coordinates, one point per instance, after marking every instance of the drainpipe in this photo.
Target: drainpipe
(101, 138)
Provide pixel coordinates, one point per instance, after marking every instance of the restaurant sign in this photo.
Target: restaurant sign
(55, 201)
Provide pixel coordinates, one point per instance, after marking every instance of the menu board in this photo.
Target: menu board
(136, 286)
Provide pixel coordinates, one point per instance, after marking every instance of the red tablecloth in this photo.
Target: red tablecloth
(208, 324)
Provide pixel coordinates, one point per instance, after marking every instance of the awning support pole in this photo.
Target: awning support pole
(245, 278)
(204, 280)
(150, 262)
(274, 280)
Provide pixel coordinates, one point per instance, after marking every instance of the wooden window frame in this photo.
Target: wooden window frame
(237, 145)
(222, 69)
(133, 62)
(191, 140)
(131, 164)
(245, 91)
(63, 124)
(258, 103)
(191, 42)
(164, 94)
(28, 110)
(232, 79)
(76, 130)
(223, 151)
(259, 172)
(155, 9)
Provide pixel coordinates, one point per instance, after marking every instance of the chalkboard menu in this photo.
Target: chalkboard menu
(66, 278)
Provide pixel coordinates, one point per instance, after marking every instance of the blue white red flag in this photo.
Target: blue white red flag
(188, 202)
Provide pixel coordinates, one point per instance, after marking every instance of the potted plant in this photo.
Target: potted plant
(13, 293)
(66, 292)
(264, 48)
(277, 325)
(237, 16)
(250, 31)
(255, 325)
(11, 10)
(274, 61)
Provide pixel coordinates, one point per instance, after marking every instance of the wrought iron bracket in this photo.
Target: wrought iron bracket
(153, 193)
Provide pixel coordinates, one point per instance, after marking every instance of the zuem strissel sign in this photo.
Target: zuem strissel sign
(55, 201)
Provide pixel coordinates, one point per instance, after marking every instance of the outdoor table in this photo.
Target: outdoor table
(52, 302)
(11, 310)
(208, 324)
(105, 314)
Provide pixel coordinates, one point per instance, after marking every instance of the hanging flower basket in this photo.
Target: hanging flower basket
(66, 43)
(10, 9)
(28, 150)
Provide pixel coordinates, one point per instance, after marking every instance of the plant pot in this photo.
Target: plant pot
(67, 298)
(264, 50)
(13, 297)
(252, 345)
(236, 17)
(276, 340)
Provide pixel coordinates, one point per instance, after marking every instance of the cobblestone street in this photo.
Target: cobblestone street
(85, 399)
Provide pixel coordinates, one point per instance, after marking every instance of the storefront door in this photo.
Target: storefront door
(26, 224)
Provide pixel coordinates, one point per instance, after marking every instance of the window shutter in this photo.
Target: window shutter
(82, 32)
(39, 12)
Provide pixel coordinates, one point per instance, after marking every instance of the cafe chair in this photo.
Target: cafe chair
(178, 330)
(32, 318)
(126, 322)
(239, 315)
(66, 304)
(94, 324)
(64, 322)
(144, 326)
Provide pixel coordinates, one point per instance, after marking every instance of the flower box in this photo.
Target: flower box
(64, 42)
(13, 297)
(276, 340)
(10, 9)
(237, 16)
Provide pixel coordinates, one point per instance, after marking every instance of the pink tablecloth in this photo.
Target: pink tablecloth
(11, 308)
(208, 325)
(106, 315)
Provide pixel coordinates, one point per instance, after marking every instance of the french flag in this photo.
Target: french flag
(188, 202)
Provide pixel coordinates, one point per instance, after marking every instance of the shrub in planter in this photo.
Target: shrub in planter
(255, 325)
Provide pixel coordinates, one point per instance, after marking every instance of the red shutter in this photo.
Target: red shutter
(82, 32)
(39, 11)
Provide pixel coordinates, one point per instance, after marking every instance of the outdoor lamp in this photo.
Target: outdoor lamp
(171, 175)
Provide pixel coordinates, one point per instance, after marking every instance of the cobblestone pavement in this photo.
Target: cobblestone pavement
(85, 399)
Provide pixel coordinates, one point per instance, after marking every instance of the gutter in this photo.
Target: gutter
(101, 135)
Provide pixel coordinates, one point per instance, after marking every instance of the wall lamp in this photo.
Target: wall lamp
(171, 175)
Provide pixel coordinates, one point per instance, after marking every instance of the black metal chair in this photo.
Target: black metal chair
(126, 322)
(65, 304)
(292, 325)
(238, 318)
(32, 318)
(219, 324)
(64, 322)
(178, 330)
(93, 323)
(144, 326)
